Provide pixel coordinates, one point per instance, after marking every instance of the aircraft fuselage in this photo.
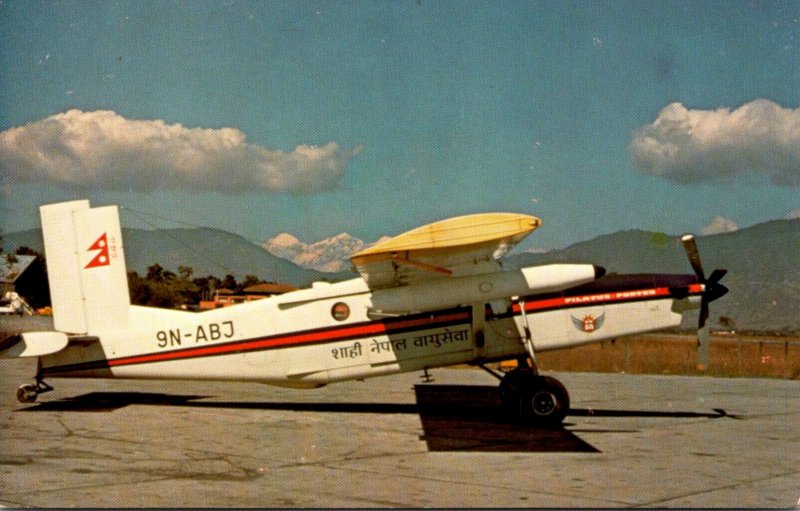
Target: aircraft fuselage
(293, 341)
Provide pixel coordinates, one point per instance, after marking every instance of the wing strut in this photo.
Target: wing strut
(527, 340)
(422, 266)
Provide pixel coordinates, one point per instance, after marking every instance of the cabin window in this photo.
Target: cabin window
(340, 311)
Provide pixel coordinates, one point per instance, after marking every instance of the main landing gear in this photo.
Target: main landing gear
(529, 397)
(533, 398)
(525, 394)
(29, 392)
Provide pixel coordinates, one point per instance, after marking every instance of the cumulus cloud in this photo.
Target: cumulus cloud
(689, 146)
(102, 149)
(719, 225)
(793, 214)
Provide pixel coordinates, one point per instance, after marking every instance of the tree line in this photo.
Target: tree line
(160, 287)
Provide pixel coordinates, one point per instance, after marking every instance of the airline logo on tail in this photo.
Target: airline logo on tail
(102, 258)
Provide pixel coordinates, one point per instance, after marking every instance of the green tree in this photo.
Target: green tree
(206, 286)
(185, 272)
(155, 273)
(183, 289)
(162, 288)
(229, 282)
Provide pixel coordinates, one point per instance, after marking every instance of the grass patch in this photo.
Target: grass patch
(730, 355)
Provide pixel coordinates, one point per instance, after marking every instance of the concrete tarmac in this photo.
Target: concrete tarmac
(630, 441)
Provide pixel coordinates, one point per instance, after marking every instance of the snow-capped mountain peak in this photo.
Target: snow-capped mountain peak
(328, 255)
(285, 246)
(284, 239)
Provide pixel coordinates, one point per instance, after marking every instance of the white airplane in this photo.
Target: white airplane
(431, 297)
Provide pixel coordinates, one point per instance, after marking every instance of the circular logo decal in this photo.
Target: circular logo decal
(340, 311)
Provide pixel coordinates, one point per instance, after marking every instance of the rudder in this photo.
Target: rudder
(86, 267)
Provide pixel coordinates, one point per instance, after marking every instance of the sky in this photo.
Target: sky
(318, 117)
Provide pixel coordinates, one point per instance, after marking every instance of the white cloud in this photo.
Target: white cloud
(719, 225)
(793, 214)
(102, 149)
(701, 145)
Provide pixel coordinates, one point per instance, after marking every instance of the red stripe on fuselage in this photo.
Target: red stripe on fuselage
(294, 339)
(602, 298)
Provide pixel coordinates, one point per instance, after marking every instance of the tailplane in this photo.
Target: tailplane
(86, 267)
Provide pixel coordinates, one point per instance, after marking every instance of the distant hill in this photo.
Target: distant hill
(208, 251)
(763, 263)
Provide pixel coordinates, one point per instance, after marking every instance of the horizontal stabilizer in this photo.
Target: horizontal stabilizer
(33, 344)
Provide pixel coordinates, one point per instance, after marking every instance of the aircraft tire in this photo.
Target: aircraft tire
(534, 399)
(27, 393)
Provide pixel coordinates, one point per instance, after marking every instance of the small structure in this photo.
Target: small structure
(268, 289)
(226, 297)
(24, 275)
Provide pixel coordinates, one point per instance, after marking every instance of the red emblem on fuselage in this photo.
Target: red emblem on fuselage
(102, 258)
(589, 323)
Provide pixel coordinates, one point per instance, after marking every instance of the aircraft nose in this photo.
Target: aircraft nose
(599, 271)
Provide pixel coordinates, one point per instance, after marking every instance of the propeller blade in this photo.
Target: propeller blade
(690, 245)
(717, 275)
(703, 313)
(712, 290)
(702, 348)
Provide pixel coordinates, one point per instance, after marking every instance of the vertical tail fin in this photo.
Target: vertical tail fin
(86, 267)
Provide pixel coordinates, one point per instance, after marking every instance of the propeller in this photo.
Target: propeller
(712, 291)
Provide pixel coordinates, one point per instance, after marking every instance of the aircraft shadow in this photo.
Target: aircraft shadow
(469, 418)
(454, 417)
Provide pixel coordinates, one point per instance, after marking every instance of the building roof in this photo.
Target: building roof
(269, 289)
(9, 273)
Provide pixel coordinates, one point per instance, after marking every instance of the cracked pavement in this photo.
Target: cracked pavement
(631, 441)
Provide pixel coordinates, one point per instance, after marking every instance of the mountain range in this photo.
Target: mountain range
(207, 251)
(330, 255)
(763, 262)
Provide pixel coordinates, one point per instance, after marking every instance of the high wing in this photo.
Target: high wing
(456, 247)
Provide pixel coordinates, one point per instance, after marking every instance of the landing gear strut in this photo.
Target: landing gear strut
(528, 396)
(29, 392)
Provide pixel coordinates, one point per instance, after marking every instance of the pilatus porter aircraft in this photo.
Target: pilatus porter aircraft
(431, 297)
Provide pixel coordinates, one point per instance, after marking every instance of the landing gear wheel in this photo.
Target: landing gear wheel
(27, 393)
(534, 399)
(549, 401)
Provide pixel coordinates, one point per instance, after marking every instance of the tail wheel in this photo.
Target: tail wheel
(532, 398)
(27, 393)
